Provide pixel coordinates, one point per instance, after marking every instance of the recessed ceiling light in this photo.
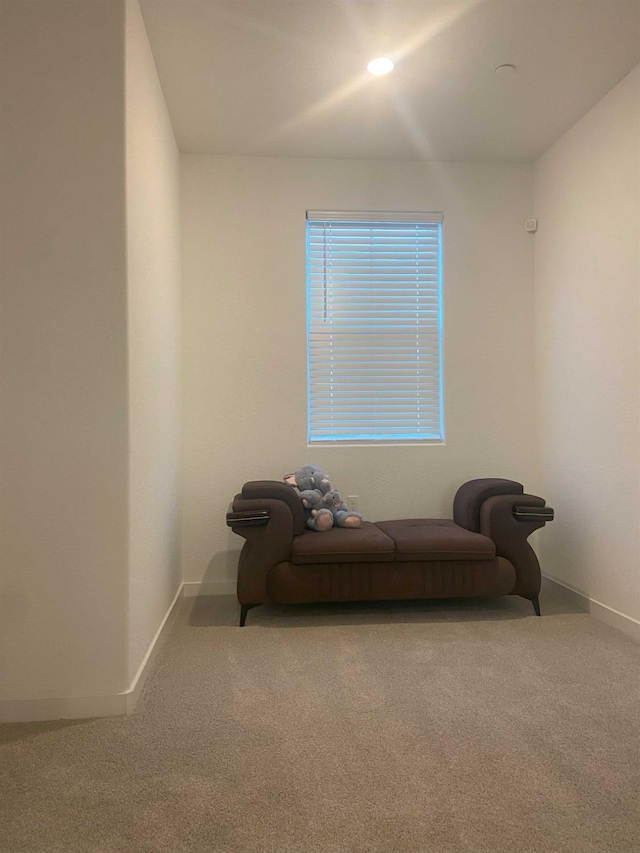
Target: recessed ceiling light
(380, 66)
(506, 69)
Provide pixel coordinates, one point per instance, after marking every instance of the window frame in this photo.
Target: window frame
(386, 218)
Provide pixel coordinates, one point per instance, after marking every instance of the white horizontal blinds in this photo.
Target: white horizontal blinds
(374, 326)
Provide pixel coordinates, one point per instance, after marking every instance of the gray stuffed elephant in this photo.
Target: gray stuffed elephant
(309, 477)
(318, 516)
(323, 505)
(342, 517)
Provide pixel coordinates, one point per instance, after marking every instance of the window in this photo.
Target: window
(374, 326)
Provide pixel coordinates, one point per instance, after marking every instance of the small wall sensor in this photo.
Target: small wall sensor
(531, 225)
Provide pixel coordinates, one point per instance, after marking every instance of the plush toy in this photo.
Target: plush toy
(318, 517)
(309, 477)
(311, 498)
(342, 517)
(311, 483)
(320, 520)
(322, 504)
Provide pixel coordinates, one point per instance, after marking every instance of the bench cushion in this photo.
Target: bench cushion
(436, 539)
(340, 544)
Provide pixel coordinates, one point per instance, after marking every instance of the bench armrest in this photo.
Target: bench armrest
(533, 513)
(471, 495)
(267, 526)
(275, 490)
(509, 520)
(248, 518)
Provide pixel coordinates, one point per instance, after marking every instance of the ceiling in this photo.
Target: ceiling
(288, 77)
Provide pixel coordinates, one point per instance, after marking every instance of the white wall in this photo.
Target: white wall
(587, 190)
(90, 354)
(243, 229)
(63, 391)
(153, 254)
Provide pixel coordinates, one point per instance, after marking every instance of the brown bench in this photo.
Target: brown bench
(482, 551)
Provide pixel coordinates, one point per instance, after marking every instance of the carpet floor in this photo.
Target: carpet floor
(457, 727)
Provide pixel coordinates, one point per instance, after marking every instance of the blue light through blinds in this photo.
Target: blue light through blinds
(374, 327)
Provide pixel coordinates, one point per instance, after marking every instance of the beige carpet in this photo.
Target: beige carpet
(457, 728)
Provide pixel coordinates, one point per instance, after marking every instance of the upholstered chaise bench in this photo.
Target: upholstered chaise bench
(482, 551)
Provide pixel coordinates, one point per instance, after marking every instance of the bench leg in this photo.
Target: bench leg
(536, 605)
(244, 609)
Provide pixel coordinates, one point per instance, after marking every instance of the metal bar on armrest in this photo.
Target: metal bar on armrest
(533, 513)
(248, 518)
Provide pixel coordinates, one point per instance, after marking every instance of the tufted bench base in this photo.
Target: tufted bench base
(288, 583)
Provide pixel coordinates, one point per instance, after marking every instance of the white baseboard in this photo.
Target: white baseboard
(627, 624)
(78, 707)
(67, 708)
(193, 588)
(135, 688)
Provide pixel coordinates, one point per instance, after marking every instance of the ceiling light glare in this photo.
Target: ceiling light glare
(380, 66)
